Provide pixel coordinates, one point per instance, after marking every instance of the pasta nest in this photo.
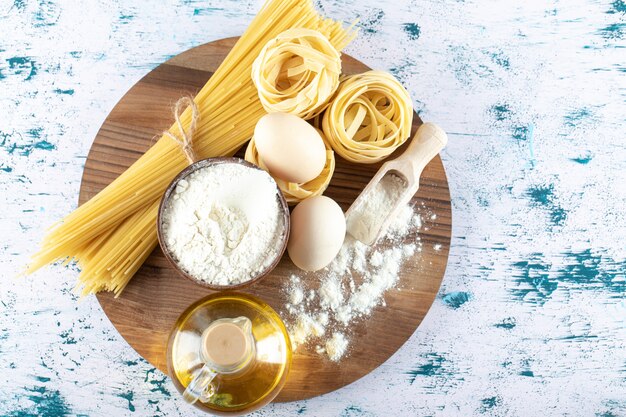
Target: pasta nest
(369, 117)
(294, 193)
(297, 72)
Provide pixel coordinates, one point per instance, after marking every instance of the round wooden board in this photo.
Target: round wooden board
(149, 306)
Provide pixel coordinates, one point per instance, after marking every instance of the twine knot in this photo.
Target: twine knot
(185, 140)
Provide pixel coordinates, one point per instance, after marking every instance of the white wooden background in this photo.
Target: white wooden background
(531, 317)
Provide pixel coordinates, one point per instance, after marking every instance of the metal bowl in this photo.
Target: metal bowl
(205, 163)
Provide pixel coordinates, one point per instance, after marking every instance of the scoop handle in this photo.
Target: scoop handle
(428, 141)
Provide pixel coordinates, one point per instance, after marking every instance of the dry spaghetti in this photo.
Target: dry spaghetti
(111, 235)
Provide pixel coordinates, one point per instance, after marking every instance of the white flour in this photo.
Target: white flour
(223, 223)
(350, 287)
(336, 346)
(366, 219)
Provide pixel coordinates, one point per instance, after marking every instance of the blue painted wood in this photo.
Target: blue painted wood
(531, 315)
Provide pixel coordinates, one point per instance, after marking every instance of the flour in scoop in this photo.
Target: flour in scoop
(366, 219)
(223, 224)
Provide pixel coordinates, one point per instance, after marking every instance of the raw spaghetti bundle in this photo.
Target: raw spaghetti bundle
(297, 72)
(294, 193)
(111, 235)
(369, 117)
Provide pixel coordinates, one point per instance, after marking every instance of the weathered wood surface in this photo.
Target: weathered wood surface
(530, 316)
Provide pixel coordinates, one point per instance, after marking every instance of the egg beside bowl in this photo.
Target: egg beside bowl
(318, 229)
(290, 148)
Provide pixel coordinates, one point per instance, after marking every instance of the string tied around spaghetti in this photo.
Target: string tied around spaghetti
(185, 140)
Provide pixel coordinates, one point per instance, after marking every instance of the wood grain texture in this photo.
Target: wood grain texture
(156, 296)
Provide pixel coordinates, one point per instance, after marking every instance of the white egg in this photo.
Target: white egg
(318, 228)
(291, 148)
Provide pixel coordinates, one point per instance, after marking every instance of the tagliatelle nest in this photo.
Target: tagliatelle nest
(369, 117)
(294, 193)
(297, 72)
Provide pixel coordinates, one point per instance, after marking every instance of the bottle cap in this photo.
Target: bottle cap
(227, 344)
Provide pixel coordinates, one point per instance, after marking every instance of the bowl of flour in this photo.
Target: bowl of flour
(223, 223)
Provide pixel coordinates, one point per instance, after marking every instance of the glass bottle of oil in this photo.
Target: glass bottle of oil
(229, 354)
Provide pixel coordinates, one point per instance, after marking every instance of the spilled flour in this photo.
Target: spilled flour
(324, 305)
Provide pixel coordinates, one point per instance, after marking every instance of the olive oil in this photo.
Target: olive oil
(198, 349)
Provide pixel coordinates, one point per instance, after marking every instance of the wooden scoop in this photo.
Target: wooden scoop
(393, 186)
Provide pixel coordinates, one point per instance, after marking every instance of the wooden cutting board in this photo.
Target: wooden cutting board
(148, 308)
